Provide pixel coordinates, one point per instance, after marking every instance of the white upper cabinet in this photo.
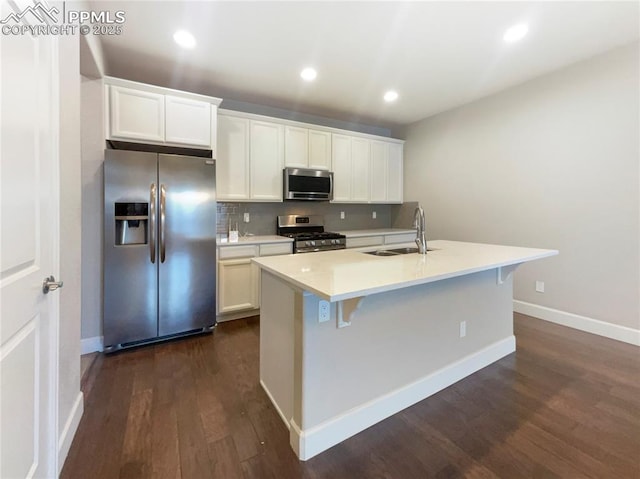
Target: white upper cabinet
(232, 164)
(341, 147)
(395, 174)
(266, 160)
(187, 121)
(360, 151)
(319, 149)
(147, 113)
(296, 147)
(136, 114)
(386, 172)
(253, 150)
(307, 148)
(379, 173)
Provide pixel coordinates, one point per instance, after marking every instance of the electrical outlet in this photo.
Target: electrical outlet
(246, 217)
(463, 329)
(323, 311)
(342, 215)
(540, 286)
(373, 215)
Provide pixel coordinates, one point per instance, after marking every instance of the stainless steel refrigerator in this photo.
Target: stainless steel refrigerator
(159, 247)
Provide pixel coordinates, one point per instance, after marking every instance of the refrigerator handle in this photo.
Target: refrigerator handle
(152, 225)
(163, 197)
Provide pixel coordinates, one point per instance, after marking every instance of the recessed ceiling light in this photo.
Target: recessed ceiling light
(391, 96)
(308, 74)
(515, 33)
(184, 39)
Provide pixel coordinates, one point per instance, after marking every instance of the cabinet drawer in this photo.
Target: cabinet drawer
(403, 238)
(248, 251)
(275, 249)
(364, 241)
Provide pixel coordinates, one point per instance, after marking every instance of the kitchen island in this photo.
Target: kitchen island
(348, 338)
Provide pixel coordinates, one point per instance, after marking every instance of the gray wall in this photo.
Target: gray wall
(303, 117)
(552, 163)
(92, 134)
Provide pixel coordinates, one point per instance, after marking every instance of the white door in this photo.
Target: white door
(28, 253)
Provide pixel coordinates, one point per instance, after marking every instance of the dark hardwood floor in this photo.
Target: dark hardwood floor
(566, 404)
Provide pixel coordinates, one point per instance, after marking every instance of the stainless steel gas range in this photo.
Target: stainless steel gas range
(308, 234)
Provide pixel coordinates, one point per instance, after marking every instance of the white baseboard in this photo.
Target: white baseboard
(275, 404)
(91, 345)
(589, 325)
(310, 442)
(69, 430)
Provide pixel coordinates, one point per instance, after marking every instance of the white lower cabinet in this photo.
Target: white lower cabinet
(238, 285)
(239, 279)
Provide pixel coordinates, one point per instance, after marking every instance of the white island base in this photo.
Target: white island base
(329, 380)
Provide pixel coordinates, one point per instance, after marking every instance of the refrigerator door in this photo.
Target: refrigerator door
(130, 276)
(186, 244)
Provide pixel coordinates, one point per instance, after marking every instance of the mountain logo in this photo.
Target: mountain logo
(38, 10)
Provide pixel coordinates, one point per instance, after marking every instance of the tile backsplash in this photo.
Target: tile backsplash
(262, 216)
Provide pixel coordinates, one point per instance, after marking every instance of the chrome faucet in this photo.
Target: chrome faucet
(419, 225)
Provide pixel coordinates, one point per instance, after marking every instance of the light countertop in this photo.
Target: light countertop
(350, 273)
(375, 232)
(249, 240)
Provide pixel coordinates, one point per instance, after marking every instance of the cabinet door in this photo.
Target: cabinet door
(296, 147)
(187, 122)
(266, 160)
(232, 159)
(360, 153)
(341, 164)
(379, 171)
(394, 174)
(238, 285)
(136, 114)
(319, 150)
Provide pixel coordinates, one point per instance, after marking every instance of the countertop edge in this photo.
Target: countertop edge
(375, 232)
(253, 240)
(543, 253)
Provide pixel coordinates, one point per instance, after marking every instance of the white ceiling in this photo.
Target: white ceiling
(437, 55)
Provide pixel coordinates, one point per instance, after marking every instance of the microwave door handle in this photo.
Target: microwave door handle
(152, 223)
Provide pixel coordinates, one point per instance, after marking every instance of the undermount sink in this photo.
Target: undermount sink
(394, 251)
(405, 250)
(381, 253)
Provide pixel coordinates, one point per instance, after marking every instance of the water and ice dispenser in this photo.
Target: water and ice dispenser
(132, 223)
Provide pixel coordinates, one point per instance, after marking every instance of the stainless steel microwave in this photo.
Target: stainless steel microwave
(307, 184)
